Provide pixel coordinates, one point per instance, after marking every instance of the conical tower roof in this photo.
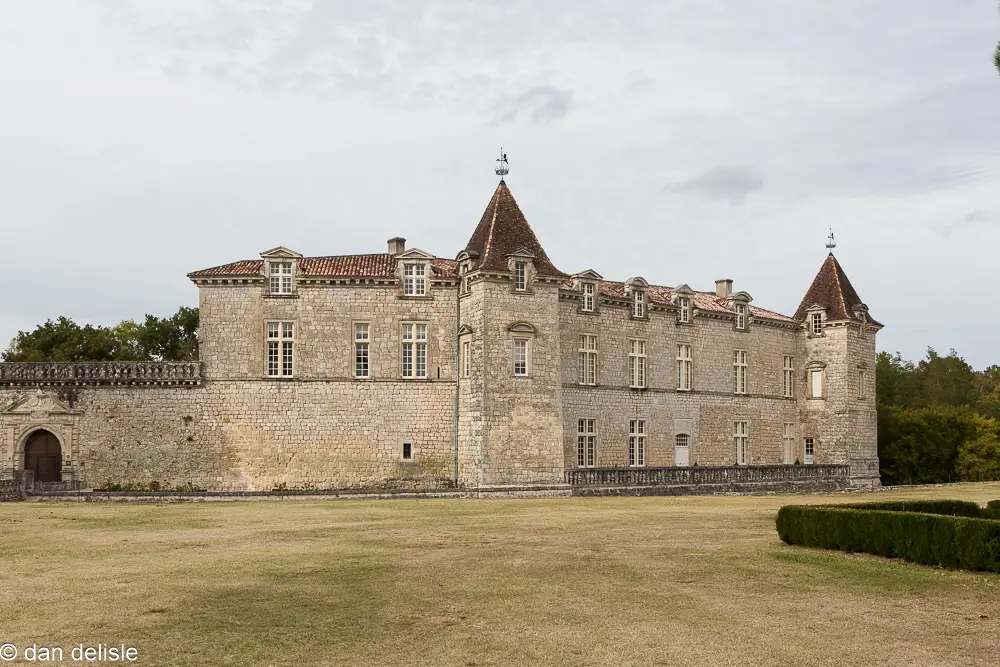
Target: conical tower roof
(503, 230)
(832, 290)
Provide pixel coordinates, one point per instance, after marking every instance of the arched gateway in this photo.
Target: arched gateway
(43, 455)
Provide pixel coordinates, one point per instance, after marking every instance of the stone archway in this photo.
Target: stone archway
(43, 455)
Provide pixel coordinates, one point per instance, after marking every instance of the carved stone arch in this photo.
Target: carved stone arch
(35, 413)
(464, 330)
(521, 327)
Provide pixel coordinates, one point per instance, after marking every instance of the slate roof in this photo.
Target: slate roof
(707, 301)
(832, 290)
(381, 265)
(503, 230)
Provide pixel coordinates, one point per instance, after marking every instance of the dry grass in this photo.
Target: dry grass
(605, 581)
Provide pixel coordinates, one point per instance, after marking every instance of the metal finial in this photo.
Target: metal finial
(830, 243)
(502, 169)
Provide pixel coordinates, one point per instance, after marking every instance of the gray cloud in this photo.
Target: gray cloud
(731, 184)
(541, 104)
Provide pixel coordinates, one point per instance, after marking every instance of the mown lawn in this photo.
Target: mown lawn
(602, 581)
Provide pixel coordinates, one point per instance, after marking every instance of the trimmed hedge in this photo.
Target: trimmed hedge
(945, 507)
(930, 539)
(992, 510)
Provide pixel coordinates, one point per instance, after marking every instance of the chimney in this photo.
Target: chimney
(724, 287)
(397, 244)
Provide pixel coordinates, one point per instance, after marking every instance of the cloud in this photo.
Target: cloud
(731, 184)
(975, 217)
(542, 104)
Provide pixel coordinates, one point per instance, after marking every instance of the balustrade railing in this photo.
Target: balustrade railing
(101, 372)
(705, 475)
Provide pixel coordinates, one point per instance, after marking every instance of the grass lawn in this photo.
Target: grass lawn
(595, 581)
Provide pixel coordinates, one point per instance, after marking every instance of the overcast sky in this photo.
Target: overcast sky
(679, 140)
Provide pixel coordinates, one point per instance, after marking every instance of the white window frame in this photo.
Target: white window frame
(520, 367)
(637, 443)
(281, 277)
(684, 309)
(588, 360)
(816, 323)
(586, 443)
(816, 383)
(809, 451)
(413, 350)
(637, 363)
(520, 276)
(788, 376)
(362, 350)
(741, 440)
(740, 372)
(638, 303)
(466, 358)
(589, 297)
(741, 316)
(414, 279)
(686, 439)
(788, 442)
(279, 349)
(685, 367)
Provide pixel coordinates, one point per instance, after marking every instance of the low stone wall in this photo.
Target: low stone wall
(12, 488)
(707, 475)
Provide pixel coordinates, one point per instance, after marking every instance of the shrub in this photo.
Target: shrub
(948, 540)
(992, 510)
(944, 507)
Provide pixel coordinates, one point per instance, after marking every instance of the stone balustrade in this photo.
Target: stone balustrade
(101, 373)
(705, 475)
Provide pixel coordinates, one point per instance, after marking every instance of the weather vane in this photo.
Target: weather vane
(502, 169)
(830, 243)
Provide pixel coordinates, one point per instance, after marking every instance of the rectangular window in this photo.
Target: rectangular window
(684, 309)
(788, 377)
(788, 442)
(809, 451)
(414, 279)
(740, 442)
(637, 363)
(586, 443)
(638, 303)
(281, 277)
(741, 316)
(684, 367)
(739, 371)
(414, 357)
(862, 389)
(466, 358)
(637, 442)
(362, 339)
(588, 359)
(407, 453)
(816, 324)
(520, 356)
(520, 276)
(587, 305)
(280, 349)
(816, 383)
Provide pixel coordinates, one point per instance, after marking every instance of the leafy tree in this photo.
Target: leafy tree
(920, 446)
(979, 459)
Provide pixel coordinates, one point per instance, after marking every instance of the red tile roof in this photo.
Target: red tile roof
(832, 290)
(381, 265)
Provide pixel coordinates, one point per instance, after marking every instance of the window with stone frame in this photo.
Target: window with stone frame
(637, 442)
(788, 442)
(414, 350)
(816, 323)
(862, 384)
(414, 279)
(741, 316)
(280, 349)
(816, 383)
(466, 358)
(280, 274)
(684, 309)
(362, 342)
(739, 371)
(741, 442)
(587, 300)
(520, 276)
(586, 443)
(521, 356)
(406, 451)
(638, 303)
(809, 451)
(588, 359)
(684, 367)
(637, 363)
(788, 376)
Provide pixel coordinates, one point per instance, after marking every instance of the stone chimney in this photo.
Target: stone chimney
(397, 244)
(724, 287)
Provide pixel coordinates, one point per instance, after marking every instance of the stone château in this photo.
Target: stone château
(403, 369)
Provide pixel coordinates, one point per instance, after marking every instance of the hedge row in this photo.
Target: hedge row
(945, 507)
(992, 510)
(930, 539)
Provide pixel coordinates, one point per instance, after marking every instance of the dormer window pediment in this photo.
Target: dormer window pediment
(280, 267)
(816, 320)
(413, 269)
(521, 265)
(635, 289)
(682, 296)
(587, 283)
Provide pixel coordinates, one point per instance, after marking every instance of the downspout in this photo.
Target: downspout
(458, 372)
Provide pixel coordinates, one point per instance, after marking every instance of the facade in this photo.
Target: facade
(403, 369)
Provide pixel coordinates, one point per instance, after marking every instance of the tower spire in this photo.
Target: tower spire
(502, 168)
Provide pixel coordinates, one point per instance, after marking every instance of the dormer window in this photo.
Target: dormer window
(520, 276)
(281, 277)
(414, 279)
(816, 323)
(587, 302)
(638, 303)
(741, 316)
(684, 309)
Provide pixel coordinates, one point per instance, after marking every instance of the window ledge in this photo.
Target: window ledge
(415, 297)
(293, 295)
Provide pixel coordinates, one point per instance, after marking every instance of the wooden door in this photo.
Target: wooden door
(43, 455)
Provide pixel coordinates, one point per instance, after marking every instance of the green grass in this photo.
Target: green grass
(595, 581)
